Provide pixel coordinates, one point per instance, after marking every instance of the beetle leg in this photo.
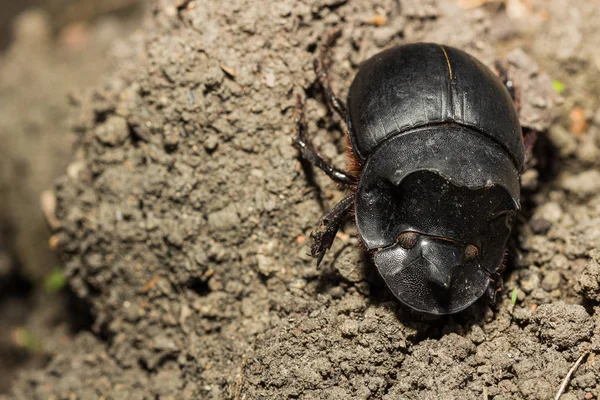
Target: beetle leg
(497, 281)
(529, 138)
(495, 287)
(509, 84)
(320, 63)
(324, 235)
(304, 145)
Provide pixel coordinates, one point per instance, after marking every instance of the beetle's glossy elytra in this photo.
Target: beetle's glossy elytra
(421, 84)
(440, 152)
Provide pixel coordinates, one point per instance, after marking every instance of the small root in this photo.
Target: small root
(565, 381)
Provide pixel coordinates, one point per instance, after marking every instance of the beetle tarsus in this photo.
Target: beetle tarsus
(324, 235)
(304, 145)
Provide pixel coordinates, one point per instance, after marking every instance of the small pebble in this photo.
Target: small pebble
(540, 226)
(551, 281)
(113, 132)
(211, 143)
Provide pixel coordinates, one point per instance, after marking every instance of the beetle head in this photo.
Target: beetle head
(434, 276)
(437, 230)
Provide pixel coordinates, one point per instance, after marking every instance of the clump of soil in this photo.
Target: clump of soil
(184, 217)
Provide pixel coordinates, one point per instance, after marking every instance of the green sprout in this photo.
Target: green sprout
(513, 296)
(558, 86)
(25, 339)
(55, 281)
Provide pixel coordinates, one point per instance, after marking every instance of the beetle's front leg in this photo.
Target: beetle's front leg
(324, 235)
(304, 145)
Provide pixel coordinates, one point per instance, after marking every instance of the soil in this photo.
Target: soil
(47, 64)
(184, 215)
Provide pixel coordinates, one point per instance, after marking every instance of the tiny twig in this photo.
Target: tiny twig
(239, 379)
(565, 381)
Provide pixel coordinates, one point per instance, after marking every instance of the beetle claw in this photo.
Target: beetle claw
(324, 235)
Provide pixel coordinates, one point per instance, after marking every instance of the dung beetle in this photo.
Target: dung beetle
(435, 156)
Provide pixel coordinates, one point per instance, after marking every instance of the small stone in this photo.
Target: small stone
(551, 212)
(211, 143)
(540, 296)
(530, 179)
(200, 255)
(382, 36)
(336, 292)
(588, 283)
(74, 169)
(349, 328)
(551, 281)
(584, 184)
(265, 259)
(266, 265)
(559, 262)
(113, 132)
(477, 335)
(225, 219)
(171, 140)
(540, 226)
(269, 78)
(350, 266)
(588, 152)
(298, 284)
(529, 281)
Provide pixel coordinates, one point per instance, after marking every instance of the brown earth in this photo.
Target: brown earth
(184, 215)
(42, 72)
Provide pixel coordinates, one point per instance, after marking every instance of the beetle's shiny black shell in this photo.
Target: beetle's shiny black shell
(424, 84)
(441, 150)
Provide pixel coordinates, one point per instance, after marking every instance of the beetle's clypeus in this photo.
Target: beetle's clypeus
(436, 152)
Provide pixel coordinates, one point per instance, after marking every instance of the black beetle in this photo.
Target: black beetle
(436, 153)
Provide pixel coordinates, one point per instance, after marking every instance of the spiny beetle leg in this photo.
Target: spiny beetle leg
(502, 72)
(324, 235)
(304, 145)
(529, 138)
(321, 63)
(496, 280)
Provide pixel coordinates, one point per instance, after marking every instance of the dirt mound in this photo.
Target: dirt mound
(185, 216)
